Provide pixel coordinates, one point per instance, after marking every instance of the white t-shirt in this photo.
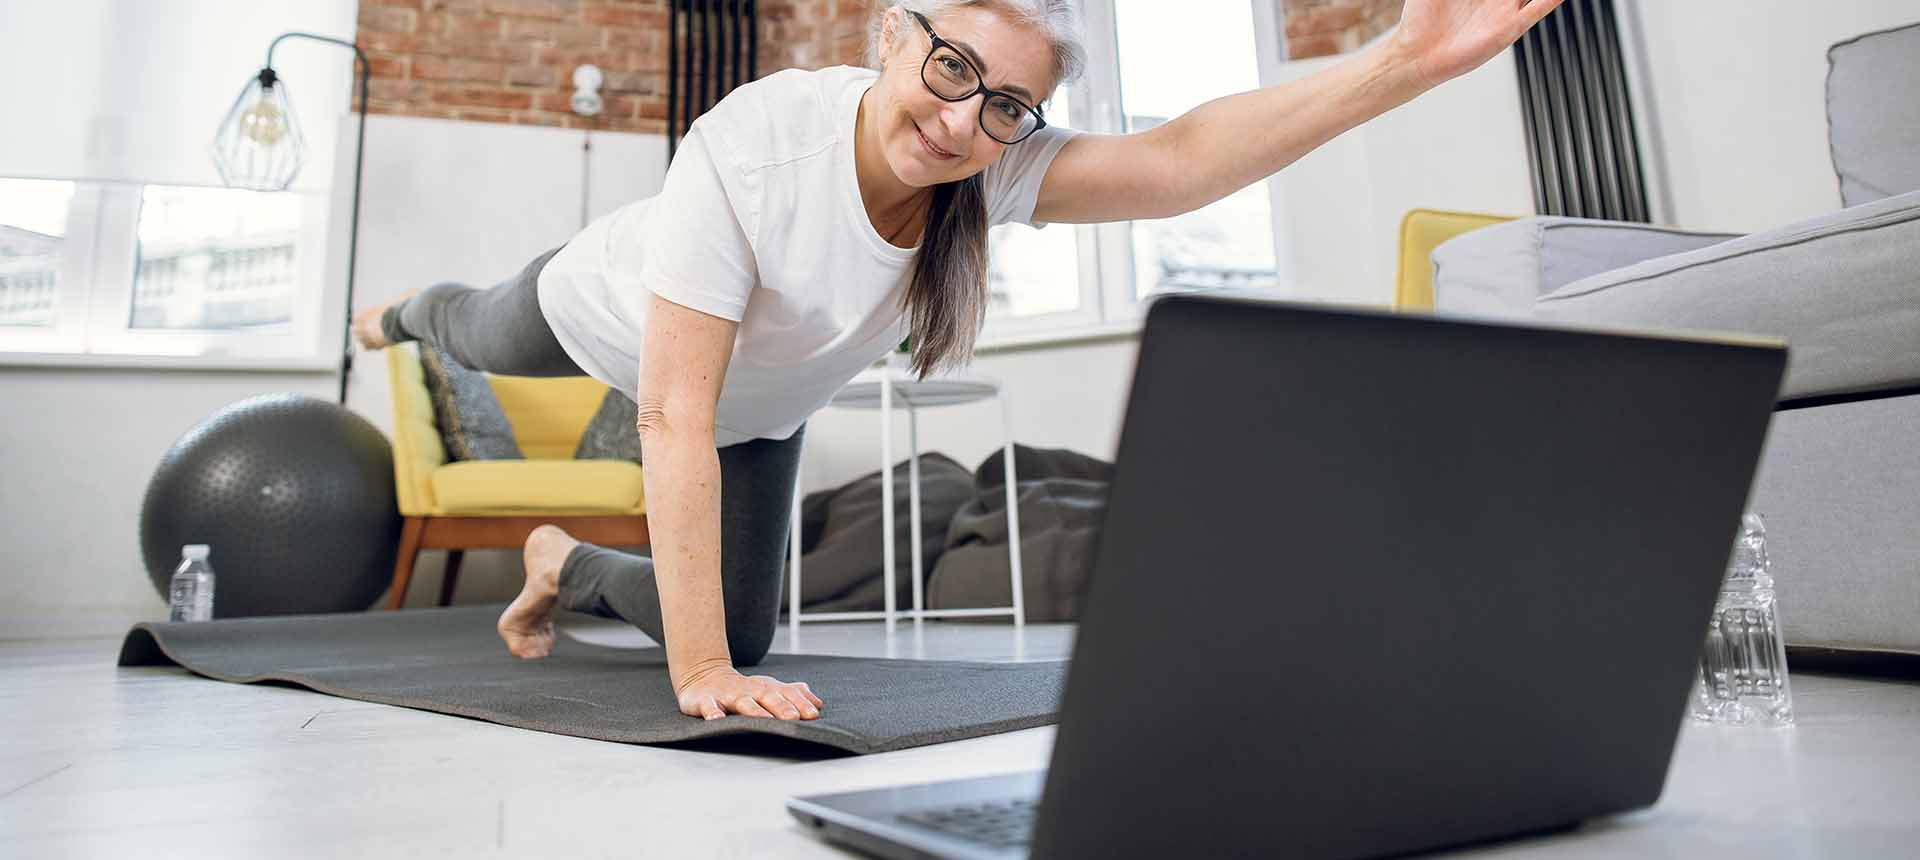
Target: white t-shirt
(760, 221)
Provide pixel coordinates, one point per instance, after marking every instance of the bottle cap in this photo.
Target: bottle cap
(1749, 568)
(195, 551)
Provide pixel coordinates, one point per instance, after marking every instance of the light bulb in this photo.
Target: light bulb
(263, 123)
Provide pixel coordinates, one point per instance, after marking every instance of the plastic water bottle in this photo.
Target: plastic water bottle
(192, 587)
(1743, 667)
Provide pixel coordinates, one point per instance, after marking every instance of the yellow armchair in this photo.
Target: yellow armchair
(1422, 230)
(494, 504)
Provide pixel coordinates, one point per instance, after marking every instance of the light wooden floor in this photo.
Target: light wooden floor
(97, 761)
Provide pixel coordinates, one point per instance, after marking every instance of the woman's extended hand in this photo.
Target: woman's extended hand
(722, 691)
(1445, 38)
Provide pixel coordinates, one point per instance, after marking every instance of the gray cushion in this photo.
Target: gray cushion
(472, 427)
(1059, 531)
(1873, 120)
(1501, 270)
(842, 542)
(613, 433)
(1843, 289)
(1062, 498)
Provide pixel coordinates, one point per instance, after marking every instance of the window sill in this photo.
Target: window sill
(1060, 337)
(112, 361)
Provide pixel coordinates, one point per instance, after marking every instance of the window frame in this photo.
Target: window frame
(99, 273)
(1109, 305)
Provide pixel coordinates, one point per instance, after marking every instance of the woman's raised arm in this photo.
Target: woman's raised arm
(1229, 143)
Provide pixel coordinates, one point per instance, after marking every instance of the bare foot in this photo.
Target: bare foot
(527, 625)
(366, 324)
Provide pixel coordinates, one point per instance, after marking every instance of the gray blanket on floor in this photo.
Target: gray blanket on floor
(964, 542)
(450, 661)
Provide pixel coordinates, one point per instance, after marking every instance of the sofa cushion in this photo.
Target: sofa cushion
(547, 412)
(1843, 290)
(538, 487)
(471, 424)
(613, 432)
(1873, 120)
(1501, 270)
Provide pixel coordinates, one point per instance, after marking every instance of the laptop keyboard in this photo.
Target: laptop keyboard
(1001, 824)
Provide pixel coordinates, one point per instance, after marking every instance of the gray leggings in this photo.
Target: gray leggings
(501, 330)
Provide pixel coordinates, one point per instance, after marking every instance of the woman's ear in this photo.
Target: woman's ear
(890, 34)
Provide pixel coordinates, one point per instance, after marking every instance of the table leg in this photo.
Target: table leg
(886, 489)
(913, 493)
(1013, 519)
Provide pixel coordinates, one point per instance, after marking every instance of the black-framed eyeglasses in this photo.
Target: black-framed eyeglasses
(949, 75)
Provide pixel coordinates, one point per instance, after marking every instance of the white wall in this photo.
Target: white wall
(77, 448)
(1737, 96)
(1461, 146)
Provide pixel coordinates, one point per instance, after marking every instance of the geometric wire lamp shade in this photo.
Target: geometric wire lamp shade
(259, 145)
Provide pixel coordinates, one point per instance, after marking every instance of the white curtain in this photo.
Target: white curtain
(132, 90)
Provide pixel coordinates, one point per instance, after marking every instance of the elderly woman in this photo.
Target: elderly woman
(809, 222)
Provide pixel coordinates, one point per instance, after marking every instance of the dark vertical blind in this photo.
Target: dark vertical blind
(1581, 142)
(711, 48)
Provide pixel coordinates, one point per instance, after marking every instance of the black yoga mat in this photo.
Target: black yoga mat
(450, 661)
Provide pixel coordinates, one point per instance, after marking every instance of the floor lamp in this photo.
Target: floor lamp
(259, 147)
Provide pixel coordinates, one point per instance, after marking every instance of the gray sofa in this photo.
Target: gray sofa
(1839, 484)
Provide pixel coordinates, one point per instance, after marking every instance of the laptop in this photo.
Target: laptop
(1372, 583)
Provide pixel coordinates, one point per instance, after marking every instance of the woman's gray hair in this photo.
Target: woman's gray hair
(946, 304)
(1057, 21)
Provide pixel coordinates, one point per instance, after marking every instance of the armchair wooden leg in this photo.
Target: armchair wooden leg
(454, 557)
(403, 560)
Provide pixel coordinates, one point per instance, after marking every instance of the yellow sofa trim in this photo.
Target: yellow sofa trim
(1422, 230)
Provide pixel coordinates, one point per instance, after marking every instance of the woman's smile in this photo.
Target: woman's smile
(931, 149)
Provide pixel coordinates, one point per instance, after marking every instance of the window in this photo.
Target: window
(1175, 57)
(215, 258)
(202, 276)
(1042, 280)
(1150, 61)
(33, 230)
(118, 245)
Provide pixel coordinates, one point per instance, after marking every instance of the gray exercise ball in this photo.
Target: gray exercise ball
(295, 497)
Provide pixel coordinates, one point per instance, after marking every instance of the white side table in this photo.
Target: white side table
(880, 389)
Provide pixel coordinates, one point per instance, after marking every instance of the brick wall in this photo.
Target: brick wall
(513, 60)
(1318, 28)
(814, 34)
(810, 34)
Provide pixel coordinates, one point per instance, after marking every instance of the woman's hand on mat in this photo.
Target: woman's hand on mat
(722, 690)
